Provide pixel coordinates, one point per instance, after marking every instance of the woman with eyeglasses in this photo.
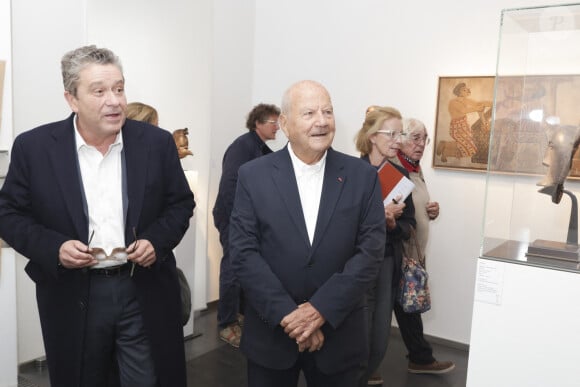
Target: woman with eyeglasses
(421, 358)
(378, 140)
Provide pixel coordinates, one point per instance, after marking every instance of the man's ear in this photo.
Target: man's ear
(72, 101)
(283, 120)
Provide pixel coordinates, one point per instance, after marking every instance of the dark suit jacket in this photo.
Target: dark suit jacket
(279, 269)
(246, 147)
(41, 207)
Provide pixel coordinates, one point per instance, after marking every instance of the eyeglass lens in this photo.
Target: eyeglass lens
(118, 253)
(418, 139)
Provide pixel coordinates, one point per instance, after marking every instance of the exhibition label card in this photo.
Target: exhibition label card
(489, 281)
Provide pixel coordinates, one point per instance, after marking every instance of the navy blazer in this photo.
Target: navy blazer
(41, 207)
(246, 147)
(279, 269)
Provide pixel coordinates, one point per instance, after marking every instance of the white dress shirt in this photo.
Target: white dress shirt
(102, 182)
(309, 179)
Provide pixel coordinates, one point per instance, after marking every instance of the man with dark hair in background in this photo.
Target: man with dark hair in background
(262, 124)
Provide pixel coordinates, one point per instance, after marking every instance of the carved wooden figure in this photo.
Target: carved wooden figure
(182, 142)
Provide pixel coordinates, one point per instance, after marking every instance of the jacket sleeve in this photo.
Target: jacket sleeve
(234, 158)
(262, 287)
(19, 226)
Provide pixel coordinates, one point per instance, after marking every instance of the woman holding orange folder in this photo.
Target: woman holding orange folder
(378, 140)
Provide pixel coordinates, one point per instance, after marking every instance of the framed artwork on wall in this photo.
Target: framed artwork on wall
(463, 122)
(523, 107)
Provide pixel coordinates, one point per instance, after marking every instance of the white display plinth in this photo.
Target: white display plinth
(8, 328)
(526, 326)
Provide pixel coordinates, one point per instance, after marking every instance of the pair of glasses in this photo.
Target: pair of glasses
(417, 139)
(392, 134)
(273, 122)
(118, 253)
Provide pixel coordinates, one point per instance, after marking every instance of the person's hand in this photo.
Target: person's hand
(302, 322)
(313, 343)
(393, 211)
(432, 210)
(74, 254)
(142, 253)
(390, 217)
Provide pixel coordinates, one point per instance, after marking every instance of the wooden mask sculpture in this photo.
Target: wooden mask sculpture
(182, 142)
(563, 141)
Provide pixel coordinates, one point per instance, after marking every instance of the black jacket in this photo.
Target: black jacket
(244, 148)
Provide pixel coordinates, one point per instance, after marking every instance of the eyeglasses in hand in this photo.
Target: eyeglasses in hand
(118, 253)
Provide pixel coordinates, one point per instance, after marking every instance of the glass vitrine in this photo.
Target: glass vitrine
(533, 174)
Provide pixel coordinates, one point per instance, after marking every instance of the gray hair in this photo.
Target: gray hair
(73, 62)
(411, 125)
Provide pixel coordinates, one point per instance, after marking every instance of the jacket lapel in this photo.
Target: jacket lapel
(285, 179)
(64, 159)
(135, 154)
(332, 186)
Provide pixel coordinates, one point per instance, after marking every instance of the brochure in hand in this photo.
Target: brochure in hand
(394, 183)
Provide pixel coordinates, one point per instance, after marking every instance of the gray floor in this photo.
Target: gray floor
(393, 368)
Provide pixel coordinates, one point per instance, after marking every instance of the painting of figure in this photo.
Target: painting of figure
(463, 122)
(525, 110)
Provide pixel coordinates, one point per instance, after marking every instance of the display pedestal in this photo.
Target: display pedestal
(9, 328)
(553, 250)
(525, 326)
(570, 251)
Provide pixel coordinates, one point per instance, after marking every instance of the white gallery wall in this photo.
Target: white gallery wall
(392, 53)
(205, 64)
(8, 321)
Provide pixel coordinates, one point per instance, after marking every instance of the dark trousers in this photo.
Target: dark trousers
(411, 327)
(380, 300)
(259, 376)
(230, 292)
(115, 330)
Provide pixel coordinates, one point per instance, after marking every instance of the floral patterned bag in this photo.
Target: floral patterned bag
(414, 296)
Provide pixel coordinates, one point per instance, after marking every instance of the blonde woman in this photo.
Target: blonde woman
(141, 112)
(378, 140)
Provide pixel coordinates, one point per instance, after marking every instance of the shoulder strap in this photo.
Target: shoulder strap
(421, 257)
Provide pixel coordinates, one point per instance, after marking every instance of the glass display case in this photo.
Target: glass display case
(531, 211)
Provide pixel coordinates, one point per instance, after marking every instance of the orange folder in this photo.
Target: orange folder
(394, 183)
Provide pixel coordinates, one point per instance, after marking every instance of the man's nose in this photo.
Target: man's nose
(321, 118)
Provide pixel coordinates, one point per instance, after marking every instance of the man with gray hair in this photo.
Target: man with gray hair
(97, 202)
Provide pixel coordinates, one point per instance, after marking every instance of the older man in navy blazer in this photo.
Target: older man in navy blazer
(98, 180)
(307, 236)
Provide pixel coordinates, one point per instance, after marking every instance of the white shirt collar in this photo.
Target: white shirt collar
(301, 168)
(80, 141)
